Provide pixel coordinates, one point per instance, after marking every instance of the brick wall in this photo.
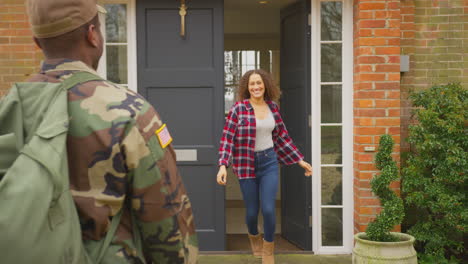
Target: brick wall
(376, 95)
(19, 56)
(435, 36)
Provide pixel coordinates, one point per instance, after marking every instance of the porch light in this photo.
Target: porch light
(263, 2)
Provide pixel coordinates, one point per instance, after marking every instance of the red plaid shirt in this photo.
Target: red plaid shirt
(238, 140)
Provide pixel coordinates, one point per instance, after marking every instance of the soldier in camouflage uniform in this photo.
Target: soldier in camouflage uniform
(116, 159)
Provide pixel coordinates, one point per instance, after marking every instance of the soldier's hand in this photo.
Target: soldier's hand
(221, 178)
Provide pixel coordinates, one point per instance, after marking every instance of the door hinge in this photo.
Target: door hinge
(309, 19)
(310, 120)
(310, 221)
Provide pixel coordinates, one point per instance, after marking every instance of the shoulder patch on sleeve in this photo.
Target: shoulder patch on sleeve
(163, 135)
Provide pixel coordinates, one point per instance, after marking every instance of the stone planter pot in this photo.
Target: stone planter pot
(372, 252)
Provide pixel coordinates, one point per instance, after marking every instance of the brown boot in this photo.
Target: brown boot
(256, 244)
(268, 249)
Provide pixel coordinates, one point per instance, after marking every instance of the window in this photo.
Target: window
(118, 63)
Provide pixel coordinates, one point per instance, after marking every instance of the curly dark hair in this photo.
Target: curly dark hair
(272, 92)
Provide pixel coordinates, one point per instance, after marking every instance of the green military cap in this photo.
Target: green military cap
(51, 18)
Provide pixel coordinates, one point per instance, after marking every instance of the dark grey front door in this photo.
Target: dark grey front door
(295, 106)
(183, 79)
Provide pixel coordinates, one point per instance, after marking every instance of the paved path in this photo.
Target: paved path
(279, 259)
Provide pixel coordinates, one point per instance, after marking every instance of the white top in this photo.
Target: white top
(264, 134)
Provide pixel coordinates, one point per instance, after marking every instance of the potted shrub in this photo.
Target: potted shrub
(378, 244)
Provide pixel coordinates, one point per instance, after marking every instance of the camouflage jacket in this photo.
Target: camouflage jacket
(116, 162)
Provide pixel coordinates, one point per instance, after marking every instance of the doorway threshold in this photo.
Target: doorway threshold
(240, 242)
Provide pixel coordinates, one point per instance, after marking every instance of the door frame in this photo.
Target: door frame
(347, 131)
(348, 202)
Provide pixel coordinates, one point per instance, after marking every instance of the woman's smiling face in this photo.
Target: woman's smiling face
(256, 86)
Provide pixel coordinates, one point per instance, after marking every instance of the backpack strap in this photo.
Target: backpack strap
(79, 77)
(98, 254)
(108, 239)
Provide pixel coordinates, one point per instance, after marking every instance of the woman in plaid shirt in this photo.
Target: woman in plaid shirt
(256, 139)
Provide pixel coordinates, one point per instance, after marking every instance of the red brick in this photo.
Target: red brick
(387, 32)
(387, 122)
(366, 15)
(366, 157)
(14, 17)
(370, 201)
(372, 77)
(371, 24)
(393, 59)
(364, 103)
(365, 51)
(394, 14)
(387, 68)
(407, 10)
(387, 51)
(371, 6)
(394, 131)
(387, 103)
(372, 41)
(20, 40)
(366, 33)
(394, 76)
(393, 41)
(364, 183)
(393, 95)
(363, 139)
(407, 26)
(394, 23)
(17, 9)
(380, 14)
(393, 5)
(362, 86)
(408, 19)
(370, 59)
(367, 166)
(22, 25)
(22, 55)
(364, 68)
(366, 210)
(395, 184)
(366, 175)
(370, 130)
(389, 85)
(364, 122)
(408, 34)
(369, 94)
(370, 112)
(394, 112)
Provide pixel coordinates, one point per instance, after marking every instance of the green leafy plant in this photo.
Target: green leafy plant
(392, 213)
(435, 174)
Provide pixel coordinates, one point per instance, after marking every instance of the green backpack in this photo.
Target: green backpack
(38, 219)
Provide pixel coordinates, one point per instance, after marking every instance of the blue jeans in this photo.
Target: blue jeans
(262, 190)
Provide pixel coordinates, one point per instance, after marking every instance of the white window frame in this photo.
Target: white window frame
(131, 43)
(347, 130)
